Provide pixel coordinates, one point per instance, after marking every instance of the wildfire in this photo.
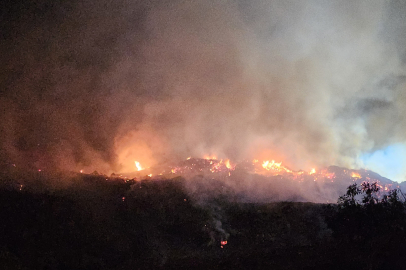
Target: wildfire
(355, 175)
(138, 166)
(271, 165)
(228, 164)
(216, 166)
(268, 168)
(274, 166)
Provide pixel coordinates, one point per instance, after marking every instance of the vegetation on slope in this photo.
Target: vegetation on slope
(94, 223)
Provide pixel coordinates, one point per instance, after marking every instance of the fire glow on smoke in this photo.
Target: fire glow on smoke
(260, 180)
(268, 168)
(318, 82)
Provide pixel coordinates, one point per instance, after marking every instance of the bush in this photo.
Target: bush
(368, 228)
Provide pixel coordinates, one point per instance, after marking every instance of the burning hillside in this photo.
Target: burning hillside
(195, 222)
(263, 180)
(102, 101)
(249, 180)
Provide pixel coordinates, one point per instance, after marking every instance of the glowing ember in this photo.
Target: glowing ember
(313, 171)
(329, 175)
(216, 166)
(138, 165)
(223, 243)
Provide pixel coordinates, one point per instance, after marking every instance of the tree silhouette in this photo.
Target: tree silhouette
(368, 226)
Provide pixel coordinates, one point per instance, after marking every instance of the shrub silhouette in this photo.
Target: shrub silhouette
(369, 228)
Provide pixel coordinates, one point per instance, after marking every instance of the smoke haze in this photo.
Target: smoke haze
(99, 84)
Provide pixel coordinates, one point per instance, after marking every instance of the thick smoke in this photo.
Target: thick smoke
(99, 84)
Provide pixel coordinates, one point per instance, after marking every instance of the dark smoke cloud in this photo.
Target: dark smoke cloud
(99, 84)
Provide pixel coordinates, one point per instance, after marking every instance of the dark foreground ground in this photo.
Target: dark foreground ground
(94, 223)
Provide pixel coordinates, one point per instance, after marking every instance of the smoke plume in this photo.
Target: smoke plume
(99, 84)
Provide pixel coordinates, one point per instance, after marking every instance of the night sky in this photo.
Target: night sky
(99, 84)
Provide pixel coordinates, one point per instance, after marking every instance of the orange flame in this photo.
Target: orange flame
(268, 165)
(274, 166)
(228, 164)
(355, 175)
(138, 166)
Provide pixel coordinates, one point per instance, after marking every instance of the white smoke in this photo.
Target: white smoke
(309, 83)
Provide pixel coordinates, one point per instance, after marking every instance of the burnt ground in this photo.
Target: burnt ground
(94, 223)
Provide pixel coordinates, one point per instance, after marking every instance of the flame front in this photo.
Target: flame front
(274, 166)
(271, 165)
(268, 168)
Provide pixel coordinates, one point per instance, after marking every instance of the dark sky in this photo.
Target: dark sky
(99, 84)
